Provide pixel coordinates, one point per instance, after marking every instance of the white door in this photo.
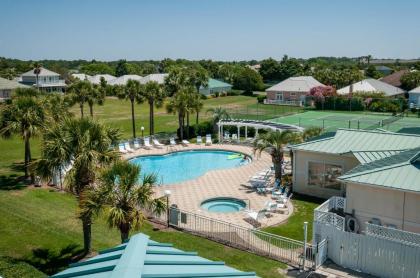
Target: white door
(279, 96)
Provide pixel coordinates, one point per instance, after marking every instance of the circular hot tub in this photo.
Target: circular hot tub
(223, 204)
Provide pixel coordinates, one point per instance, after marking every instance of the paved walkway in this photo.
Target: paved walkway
(188, 195)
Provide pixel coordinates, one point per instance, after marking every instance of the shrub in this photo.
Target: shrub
(203, 128)
(261, 98)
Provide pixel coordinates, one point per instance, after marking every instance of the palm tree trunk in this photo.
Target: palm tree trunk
(124, 231)
(188, 125)
(181, 130)
(87, 234)
(91, 110)
(37, 82)
(132, 119)
(27, 153)
(151, 131)
(196, 117)
(81, 110)
(277, 160)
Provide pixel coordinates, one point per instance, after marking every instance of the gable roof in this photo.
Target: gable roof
(6, 84)
(142, 257)
(355, 140)
(44, 72)
(400, 171)
(415, 90)
(296, 84)
(122, 80)
(214, 83)
(371, 85)
(157, 77)
(394, 79)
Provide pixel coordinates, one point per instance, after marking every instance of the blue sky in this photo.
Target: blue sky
(203, 29)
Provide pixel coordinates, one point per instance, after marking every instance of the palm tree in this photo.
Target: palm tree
(178, 103)
(79, 93)
(57, 107)
(85, 145)
(197, 106)
(96, 95)
(219, 113)
(123, 200)
(274, 142)
(37, 70)
(132, 91)
(24, 116)
(154, 94)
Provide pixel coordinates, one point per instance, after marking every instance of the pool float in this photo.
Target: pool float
(235, 156)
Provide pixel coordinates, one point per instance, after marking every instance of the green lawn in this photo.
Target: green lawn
(303, 211)
(40, 218)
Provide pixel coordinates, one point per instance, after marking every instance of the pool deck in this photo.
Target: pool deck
(188, 195)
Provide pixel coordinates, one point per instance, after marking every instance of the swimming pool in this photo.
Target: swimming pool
(186, 165)
(223, 204)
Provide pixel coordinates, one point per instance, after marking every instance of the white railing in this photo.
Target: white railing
(393, 234)
(323, 213)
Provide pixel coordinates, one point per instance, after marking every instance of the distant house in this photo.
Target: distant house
(256, 67)
(384, 70)
(372, 86)
(414, 97)
(394, 79)
(7, 87)
(48, 81)
(96, 79)
(292, 90)
(156, 77)
(81, 76)
(143, 257)
(122, 80)
(215, 86)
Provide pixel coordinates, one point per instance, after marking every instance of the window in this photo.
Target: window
(279, 96)
(324, 175)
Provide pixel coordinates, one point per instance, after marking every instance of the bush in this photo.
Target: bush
(191, 133)
(261, 98)
(203, 128)
(234, 92)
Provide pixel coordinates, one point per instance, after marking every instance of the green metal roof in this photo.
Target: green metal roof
(214, 83)
(368, 156)
(354, 140)
(400, 171)
(142, 257)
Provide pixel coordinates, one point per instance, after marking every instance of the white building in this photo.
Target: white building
(157, 77)
(372, 86)
(414, 97)
(96, 79)
(122, 80)
(48, 81)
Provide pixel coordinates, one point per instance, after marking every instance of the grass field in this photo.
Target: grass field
(40, 218)
(331, 121)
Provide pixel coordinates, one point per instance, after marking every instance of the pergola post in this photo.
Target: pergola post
(256, 132)
(246, 132)
(239, 134)
(220, 132)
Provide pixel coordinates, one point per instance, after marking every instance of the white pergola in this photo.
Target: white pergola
(254, 124)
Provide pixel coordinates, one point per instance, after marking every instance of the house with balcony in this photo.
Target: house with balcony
(47, 81)
(291, 91)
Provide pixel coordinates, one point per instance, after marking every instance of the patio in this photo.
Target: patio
(188, 195)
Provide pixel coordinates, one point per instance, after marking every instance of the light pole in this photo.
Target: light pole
(167, 195)
(142, 132)
(305, 235)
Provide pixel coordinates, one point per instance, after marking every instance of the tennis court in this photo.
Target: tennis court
(331, 121)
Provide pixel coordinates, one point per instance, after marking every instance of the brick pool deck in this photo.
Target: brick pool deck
(188, 195)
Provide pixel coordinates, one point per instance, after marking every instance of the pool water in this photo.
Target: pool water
(186, 165)
(223, 204)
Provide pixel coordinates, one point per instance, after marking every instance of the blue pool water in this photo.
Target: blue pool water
(186, 165)
(223, 204)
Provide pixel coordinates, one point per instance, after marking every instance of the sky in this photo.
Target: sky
(208, 29)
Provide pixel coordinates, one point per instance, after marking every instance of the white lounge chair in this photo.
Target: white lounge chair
(208, 140)
(147, 143)
(185, 142)
(121, 148)
(136, 144)
(127, 147)
(172, 141)
(256, 216)
(234, 137)
(226, 137)
(199, 140)
(157, 144)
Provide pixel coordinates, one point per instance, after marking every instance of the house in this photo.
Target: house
(414, 97)
(143, 257)
(7, 87)
(48, 81)
(386, 191)
(96, 79)
(81, 76)
(122, 80)
(318, 164)
(384, 70)
(215, 86)
(394, 79)
(157, 77)
(292, 90)
(372, 86)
